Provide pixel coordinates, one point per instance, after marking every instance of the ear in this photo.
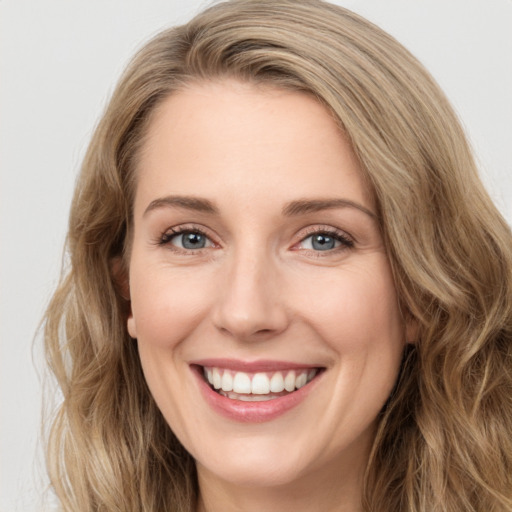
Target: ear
(120, 275)
(130, 325)
(122, 284)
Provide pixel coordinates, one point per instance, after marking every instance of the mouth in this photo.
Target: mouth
(257, 386)
(254, 391)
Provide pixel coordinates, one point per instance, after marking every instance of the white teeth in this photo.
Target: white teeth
(217, 379)
(277, 383)
(244, 386)
(227, 381)
(289, 381)
(242, 383)
(301, 380)
(260, 384)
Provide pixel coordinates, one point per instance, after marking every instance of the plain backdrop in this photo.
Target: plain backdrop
(59, 61)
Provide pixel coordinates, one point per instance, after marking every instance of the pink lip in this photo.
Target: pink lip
(259, 365)
(251, 412)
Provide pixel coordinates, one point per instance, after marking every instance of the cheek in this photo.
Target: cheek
(167, 305)
(357, 310)
(360, 320)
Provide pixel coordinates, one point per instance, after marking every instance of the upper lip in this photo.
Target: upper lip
(259, 365)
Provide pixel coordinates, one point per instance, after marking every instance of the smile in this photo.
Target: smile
(254, 391)
(257, 386)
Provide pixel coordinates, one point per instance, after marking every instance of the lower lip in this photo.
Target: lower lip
(252, 412)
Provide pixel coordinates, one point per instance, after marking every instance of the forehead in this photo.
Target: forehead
(232, 139)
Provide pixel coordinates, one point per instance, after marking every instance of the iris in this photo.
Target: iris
(323, 242)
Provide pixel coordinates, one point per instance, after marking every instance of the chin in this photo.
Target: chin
(257, 472)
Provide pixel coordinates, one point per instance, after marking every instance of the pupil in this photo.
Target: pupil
(193, 241)
(323, 242)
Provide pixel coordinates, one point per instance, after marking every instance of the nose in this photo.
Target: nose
(251, 305)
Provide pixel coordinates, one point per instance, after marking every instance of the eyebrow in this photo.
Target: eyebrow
(291, 209)
(196, 204)
(304, 206)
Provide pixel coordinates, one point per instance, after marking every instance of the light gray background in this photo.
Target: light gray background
(59, 61)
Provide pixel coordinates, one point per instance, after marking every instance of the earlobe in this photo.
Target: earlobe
(130, 324)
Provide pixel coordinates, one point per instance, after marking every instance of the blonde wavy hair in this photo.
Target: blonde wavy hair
(444, 442)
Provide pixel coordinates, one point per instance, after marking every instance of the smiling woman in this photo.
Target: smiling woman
(288, 289)
(235, 287)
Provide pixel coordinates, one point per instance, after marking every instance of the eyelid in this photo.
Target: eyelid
(347, 241)
(174, 231)
(324, 228)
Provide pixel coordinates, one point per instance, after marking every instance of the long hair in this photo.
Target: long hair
(444, 442)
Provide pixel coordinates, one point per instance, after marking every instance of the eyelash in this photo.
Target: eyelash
(166, 238)
(345, 241)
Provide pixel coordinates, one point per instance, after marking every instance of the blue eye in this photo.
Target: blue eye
(191, 240)
(323, 241)
(187, 239)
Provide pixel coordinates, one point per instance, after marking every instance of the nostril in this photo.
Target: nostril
(244, 332)
(263, 331)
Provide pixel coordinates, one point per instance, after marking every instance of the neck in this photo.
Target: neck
(330, 489)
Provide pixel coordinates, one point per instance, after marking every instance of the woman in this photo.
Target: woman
(287, 286)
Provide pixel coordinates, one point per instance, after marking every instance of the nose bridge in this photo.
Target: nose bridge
(250, 304)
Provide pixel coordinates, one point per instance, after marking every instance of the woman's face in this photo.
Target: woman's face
(257, 264)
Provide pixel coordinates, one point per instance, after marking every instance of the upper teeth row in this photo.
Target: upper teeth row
(258, 383)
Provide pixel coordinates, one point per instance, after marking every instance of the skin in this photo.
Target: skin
(260, 290)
